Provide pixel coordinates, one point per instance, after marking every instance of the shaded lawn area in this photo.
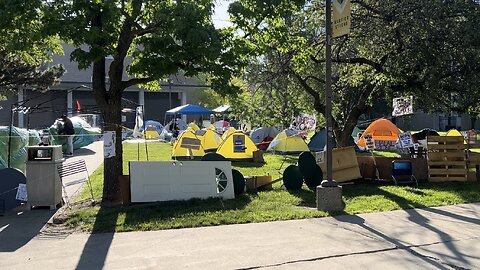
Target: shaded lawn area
(263, 206)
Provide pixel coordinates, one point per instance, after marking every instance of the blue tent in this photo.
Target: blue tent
(318, 141)
(189, 109)
(156, 124)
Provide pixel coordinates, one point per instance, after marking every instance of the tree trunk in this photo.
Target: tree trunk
(113, 166)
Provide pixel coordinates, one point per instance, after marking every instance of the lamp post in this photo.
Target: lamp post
(329, 193)
(170, 83)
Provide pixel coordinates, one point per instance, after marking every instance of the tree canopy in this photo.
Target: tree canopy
(147, 39)
(425, 48)
(24, 47)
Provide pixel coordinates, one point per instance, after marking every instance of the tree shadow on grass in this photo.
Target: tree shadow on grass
(243, 164)
(308, 197)
(199, 212)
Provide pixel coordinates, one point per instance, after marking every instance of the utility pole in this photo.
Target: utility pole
(170, 83)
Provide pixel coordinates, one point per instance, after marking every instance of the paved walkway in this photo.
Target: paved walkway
(432, 238)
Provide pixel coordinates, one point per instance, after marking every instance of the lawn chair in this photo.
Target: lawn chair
(79, 170)
(402, 173)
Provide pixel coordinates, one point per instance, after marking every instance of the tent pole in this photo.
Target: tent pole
(10, 136)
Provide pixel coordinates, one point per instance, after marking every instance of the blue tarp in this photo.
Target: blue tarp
(189, 109)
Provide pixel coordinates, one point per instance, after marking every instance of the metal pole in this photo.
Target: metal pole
(170, 82)
(10, 136)
(328, 93)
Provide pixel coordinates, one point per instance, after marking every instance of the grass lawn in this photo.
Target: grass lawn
(263, 206)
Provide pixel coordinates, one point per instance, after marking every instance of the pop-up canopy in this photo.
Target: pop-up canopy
(189, 109)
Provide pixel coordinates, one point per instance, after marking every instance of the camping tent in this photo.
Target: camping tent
(455, 133)
(153, 129)
(221, 125)
(288, 142)
(210, 140)
(237, 146)
(193, 126)
(263, 136)
(319, 140)
(384, 132)
(228, 132)
(187, 146)
(84, 133)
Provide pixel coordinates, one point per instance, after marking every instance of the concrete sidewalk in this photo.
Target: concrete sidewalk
(432, 238)
(18, 227)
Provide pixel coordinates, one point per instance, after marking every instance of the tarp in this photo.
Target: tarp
(21, 138)
(84, 133)
(383, 132)
(209, 138)
(319, 140)
(237, 146)
(288, 142)
(422, 134)
(189, 109)
(187, 146)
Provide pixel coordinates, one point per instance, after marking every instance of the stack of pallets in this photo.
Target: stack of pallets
(447, 158)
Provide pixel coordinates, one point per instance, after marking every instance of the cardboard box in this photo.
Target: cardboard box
(252, 183)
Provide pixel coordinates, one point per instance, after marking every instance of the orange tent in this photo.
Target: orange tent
(382, 130)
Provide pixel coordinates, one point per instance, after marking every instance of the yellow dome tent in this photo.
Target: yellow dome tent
(288, 142)
(187, 146)
(193, 126)
(228, 132)
(238, 147)
(455, 133)
(209, 138)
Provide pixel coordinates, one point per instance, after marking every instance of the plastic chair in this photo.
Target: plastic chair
(402, 173)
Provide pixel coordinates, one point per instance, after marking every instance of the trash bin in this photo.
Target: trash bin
(44, 185)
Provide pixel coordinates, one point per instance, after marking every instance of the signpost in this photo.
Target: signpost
(329, 193)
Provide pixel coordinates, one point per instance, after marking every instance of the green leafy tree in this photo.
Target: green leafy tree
(24, 46)
(425, 48)
(148, 40)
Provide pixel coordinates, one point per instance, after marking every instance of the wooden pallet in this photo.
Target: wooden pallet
(447, 160)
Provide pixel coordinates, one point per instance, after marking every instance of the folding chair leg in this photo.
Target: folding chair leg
(90, 187)
(65, 196)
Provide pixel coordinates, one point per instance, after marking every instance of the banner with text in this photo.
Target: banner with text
(402, 106)
(341, 18)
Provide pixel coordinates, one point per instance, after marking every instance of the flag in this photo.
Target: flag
(78, 106)
(138, 122)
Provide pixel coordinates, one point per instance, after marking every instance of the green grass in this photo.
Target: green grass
(263, 206)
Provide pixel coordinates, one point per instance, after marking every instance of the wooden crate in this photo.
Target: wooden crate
(447, 160)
